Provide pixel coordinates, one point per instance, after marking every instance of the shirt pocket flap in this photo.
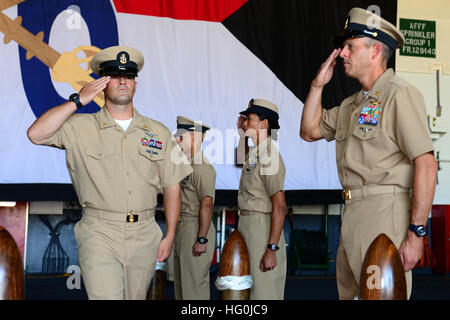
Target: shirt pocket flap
(99, 152)
(365, 132)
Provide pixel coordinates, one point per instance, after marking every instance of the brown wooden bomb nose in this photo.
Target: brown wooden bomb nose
(156, 289)
(11, 268)
(235, 261)
(382, 273)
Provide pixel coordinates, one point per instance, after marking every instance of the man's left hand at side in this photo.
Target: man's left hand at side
(165, 247)
(268, 261)
(198, 249)
(411, 251)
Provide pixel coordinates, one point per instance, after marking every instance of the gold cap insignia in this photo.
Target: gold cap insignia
(250, 104)
(123, 58)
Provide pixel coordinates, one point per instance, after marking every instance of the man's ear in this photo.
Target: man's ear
(377, 51)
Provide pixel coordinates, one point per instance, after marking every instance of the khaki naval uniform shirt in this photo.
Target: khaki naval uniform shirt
(263, 175)
(191, 273)
(199, 184)
(119, 171)
(377, 138)
(379, 135)
(115, 172)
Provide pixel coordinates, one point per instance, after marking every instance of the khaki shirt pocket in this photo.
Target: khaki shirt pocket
(341, 137)
(99, 162)
(150, 163)
(366, 147)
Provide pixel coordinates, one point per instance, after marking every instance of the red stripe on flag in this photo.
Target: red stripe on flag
(206, 10)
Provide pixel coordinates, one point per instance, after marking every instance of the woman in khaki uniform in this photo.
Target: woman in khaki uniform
(195, 235)
(261, 201)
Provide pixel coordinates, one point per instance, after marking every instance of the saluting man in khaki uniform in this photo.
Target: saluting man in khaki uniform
(261, 200)
(195, 236)
(383, 148)
(117, 160)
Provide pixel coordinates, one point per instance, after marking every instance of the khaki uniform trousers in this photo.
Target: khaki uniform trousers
(255, 228)
(117, 258)
(364, 219)
(191, 273)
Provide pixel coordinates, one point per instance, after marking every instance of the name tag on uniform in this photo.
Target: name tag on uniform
(185, 180)
(370, 114)
(151, 151)
(250, 167)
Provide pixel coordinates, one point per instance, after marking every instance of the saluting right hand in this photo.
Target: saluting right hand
(240, 124)
(90, 91)
(325, 72)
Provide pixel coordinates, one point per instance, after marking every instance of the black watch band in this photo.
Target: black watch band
(273, 247)
(75, 98)
(420, 230)
(202, 240)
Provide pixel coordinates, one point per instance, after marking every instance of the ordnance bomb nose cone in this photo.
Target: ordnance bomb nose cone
(382, 272)
(235, 263)
(11, 268)
(235, 260)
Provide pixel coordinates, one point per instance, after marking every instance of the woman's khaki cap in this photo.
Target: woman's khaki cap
(264, 108)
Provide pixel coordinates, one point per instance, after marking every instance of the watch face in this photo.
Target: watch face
(421, 231)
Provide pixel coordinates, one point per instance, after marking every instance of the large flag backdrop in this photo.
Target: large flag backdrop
(204, 59)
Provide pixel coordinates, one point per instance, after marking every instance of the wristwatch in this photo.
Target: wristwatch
(420, 231)
(202, 240)
(273, 247)
(75, 98)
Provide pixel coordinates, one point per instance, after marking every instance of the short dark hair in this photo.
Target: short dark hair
(272, 126)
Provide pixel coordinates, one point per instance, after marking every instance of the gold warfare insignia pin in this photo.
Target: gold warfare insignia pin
(123, 58)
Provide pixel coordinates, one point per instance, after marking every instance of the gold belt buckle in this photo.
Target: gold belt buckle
(346, 194)
(132, 217)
